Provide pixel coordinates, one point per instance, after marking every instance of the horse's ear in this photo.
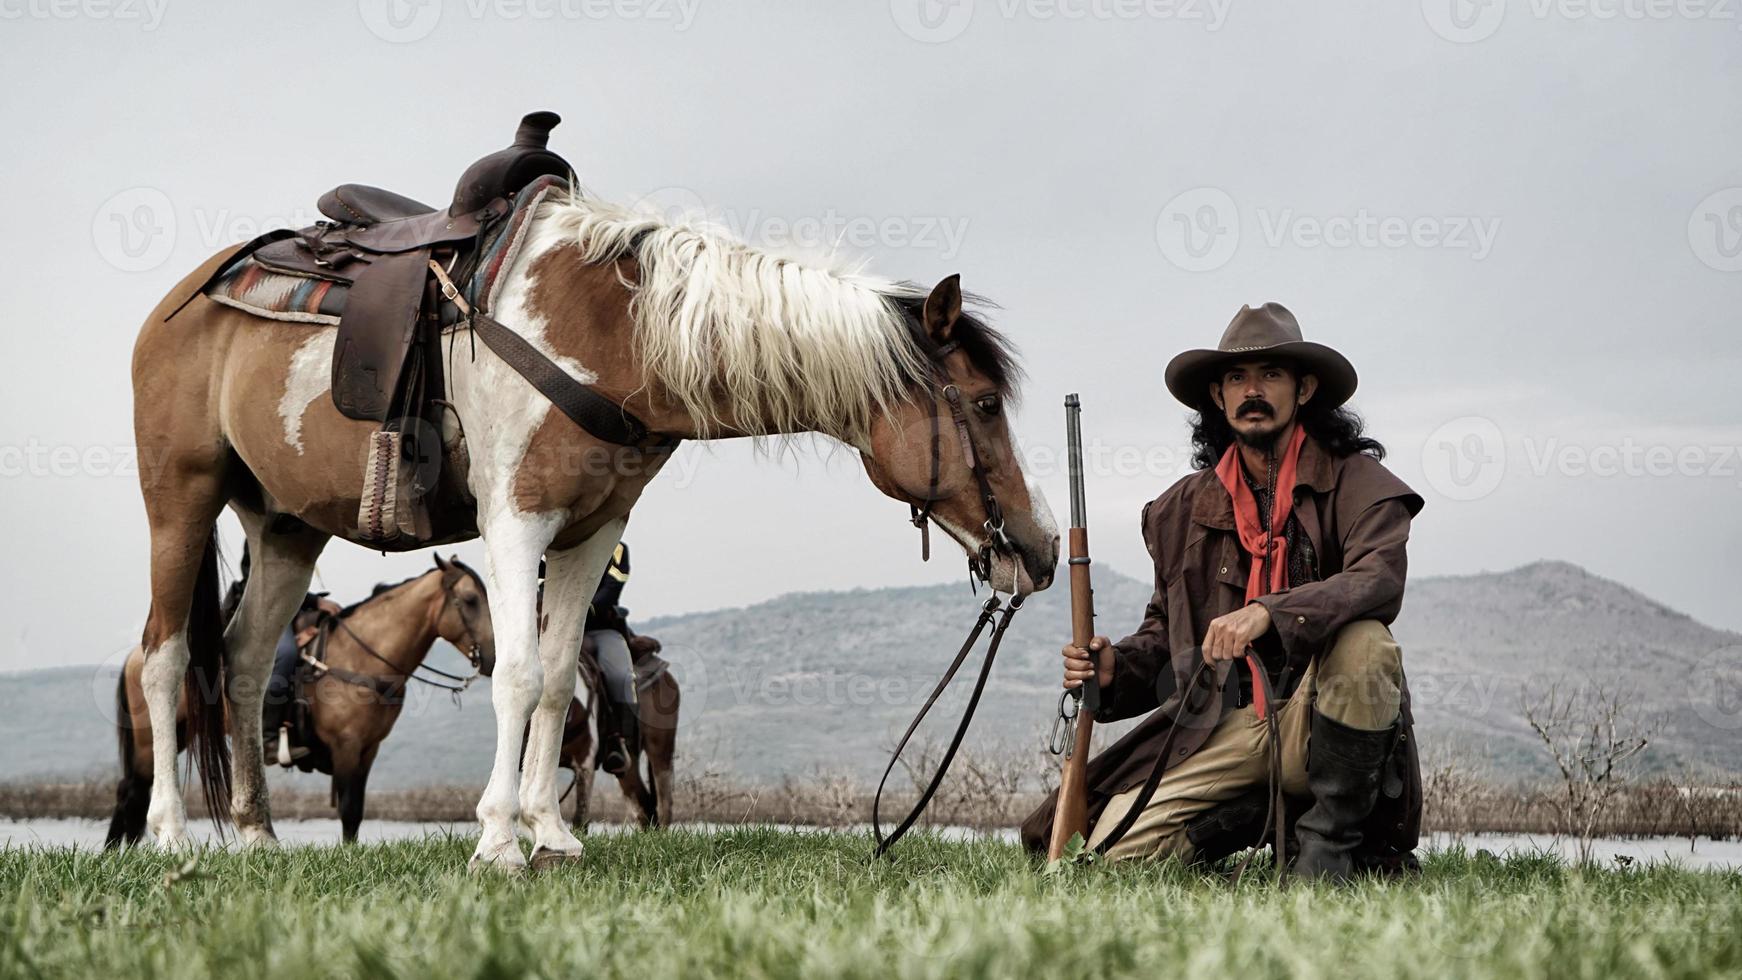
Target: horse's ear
(942, 308)
(443, 565)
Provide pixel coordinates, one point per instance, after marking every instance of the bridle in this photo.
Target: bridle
(980, 569)
(394, 687)
(473, 650)
(979, 565)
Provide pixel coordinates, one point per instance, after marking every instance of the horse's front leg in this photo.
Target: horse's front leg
(512, 548)
(570, 579)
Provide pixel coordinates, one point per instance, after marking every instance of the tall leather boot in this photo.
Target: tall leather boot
(629, 729)
(1228, 828)
(1343, 772)
(619, 737)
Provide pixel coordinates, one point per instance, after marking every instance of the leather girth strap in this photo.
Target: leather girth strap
(590, 410)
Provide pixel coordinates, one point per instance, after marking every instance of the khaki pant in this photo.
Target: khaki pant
(1357, 682)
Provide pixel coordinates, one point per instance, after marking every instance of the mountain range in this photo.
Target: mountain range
(822, 683)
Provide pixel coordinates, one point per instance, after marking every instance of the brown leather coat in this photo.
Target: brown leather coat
(1356, 514)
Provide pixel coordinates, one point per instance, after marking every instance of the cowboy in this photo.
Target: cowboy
(1279, 566)
(609, 636)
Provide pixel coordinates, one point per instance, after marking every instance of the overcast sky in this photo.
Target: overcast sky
(1521, 222)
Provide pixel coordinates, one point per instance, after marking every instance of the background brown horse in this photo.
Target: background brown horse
(657, 705)
(371, 651)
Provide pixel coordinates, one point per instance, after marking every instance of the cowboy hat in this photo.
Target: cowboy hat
(1268, 331)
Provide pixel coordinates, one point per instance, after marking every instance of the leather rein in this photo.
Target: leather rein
(994, 612)
(388, 687)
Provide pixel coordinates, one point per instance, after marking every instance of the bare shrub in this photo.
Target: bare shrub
(1594, 737)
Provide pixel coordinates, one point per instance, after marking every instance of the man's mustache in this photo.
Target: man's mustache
(1256, 405)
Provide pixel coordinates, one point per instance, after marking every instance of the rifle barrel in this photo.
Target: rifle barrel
(1074, 458)
(1070, 817)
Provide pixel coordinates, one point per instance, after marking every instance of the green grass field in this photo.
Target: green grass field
(767, 903)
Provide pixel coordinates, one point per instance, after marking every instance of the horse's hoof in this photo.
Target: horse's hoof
(174, 841)
(503, 860)
(485, 866)
(258, 837)
(545, 859)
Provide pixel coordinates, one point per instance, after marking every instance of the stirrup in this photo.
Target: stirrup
(287, 754)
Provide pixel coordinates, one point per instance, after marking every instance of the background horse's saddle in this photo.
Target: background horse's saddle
(380, 243)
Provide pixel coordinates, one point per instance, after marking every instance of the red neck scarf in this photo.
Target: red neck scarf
(1253, 538)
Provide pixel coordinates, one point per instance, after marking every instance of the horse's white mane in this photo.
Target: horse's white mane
(789, 345)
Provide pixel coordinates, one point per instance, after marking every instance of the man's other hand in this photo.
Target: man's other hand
(1230, 635)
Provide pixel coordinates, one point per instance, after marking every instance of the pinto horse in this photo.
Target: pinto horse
(698, 334)
(657, 704)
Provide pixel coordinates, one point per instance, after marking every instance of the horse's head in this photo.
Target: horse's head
(465, 616)
(947, 450)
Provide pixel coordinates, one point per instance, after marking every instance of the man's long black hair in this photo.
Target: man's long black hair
(1338, 430)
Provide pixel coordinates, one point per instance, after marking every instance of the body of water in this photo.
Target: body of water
(1701, 853)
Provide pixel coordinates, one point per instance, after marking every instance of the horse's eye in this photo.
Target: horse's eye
(987, 405)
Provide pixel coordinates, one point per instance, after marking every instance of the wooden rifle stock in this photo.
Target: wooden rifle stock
(1071, 815)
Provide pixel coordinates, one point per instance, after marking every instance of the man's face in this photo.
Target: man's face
(1260, 398)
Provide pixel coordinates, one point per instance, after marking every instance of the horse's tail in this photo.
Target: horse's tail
(205, 687)
(133, 792)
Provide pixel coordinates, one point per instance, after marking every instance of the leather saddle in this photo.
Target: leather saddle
(380, 243)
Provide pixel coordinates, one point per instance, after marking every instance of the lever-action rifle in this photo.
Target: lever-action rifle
(1072, 814)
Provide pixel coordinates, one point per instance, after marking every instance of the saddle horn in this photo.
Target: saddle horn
(507, 170)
